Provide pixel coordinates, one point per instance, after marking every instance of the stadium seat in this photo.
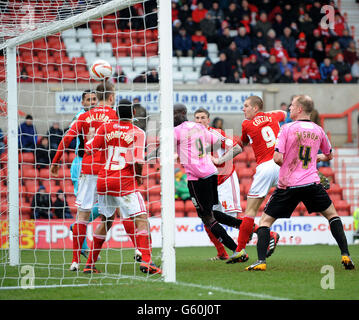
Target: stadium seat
(179, 208)
(341, 205)
(28, 171)
(84, 33)
(153, 62)
(155, 208)
(178, 77)
(26, 157)
(191, 77)
(328, 172)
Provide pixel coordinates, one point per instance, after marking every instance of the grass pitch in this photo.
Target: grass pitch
(293, 272)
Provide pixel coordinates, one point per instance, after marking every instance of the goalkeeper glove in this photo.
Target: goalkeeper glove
(324, 181)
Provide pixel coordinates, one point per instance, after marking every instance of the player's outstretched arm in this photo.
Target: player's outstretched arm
(229, 155)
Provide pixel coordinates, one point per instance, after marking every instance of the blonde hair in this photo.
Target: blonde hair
(256, 101)
(306, 103)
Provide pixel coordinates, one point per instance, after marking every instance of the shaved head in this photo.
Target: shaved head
(179, 114)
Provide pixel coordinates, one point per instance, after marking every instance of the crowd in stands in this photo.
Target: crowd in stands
(266, 41)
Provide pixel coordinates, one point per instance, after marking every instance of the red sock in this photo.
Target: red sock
(78, 238)
(221, 251)
(96, 246)
(244, 232)
(144, 245)
(129, 226)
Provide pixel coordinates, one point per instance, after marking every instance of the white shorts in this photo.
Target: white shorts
(130, 205)
(87, 192)
(266, 177)
(229, 196)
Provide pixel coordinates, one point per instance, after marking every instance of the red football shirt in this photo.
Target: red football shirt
(226, 169)
(124, 145)
(86, 125)
(262, 132)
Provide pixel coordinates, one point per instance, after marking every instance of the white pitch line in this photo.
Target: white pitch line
(184, 284)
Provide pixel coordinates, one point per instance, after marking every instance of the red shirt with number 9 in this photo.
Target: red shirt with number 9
(262, 132)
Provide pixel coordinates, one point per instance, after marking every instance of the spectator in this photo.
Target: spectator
(244, 9)
(206, 68)
(263, 23)
(350, 53)
(273, 69)
(325, 69)
(339, 25)
(140, 114)
(232, 54)
(270, 39)
(342, 66)
(141, 78)
(61, 208)
(313, 39)
(232, 16)
(216, 14)
(239, 68)
(176, 26)
(278, 24)
(153, 76)
(184, 13)
(222, 69)
(306, 24)
(181, 188)
(288, 42)
(333, 77)
(41, 204)
(243, 42)
(355, 70)
(289, 13)
(199, 44)
(263, 76)
(209, 29)
(183, 44)
(199, 13)
(119, 75)
(2, 143)
(43, 154)
(287, 77)
(304, 77)
(234, 77)
(313, 72)
(285, 107)
(315, 12)
(258, 39)
(174, 11)
(55, 135)
(278, 51)
(345, 39)
(251, 69)
(318, 53)
(224, 40)
(261, 52)
(218, 123)
(334, 50)
(27, 135)
(301, 46)
(246, 23)
(190, 26)
(284, 65)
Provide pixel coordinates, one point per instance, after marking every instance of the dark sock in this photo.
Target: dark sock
(221, 234)
(263, 234)
(337, 230)
(227, 219)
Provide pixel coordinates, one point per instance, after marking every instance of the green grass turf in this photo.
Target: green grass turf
(293, 272)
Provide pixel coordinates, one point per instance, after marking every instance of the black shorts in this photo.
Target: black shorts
(204, 194)
(284, 201)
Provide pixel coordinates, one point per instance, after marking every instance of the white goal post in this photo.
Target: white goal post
(47, 28)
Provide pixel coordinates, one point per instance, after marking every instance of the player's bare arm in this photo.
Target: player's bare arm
(324, 157)
(278, 158)
(54, 169)
(229, 155)
(138, 173)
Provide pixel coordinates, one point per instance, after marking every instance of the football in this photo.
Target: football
(100, 70)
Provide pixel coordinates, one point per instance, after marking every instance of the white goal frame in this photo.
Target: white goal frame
(166, 122)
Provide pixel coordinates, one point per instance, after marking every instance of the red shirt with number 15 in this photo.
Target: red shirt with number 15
(124, 145)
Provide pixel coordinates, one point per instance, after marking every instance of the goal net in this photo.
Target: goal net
(47, 48)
